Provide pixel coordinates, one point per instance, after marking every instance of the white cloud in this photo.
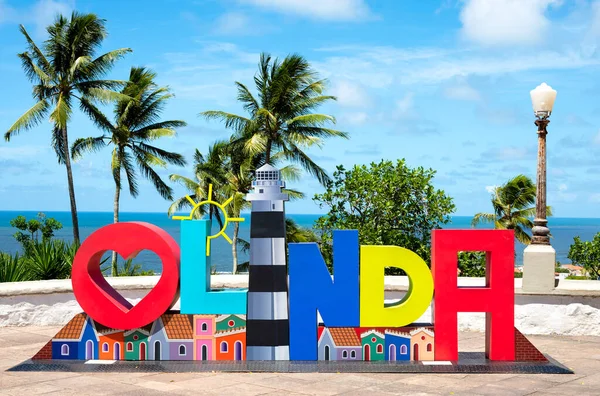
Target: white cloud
(405, 106)
(595, 197)
(461, 90)
(383, 66)
(505, 22)
(44, 12)
(597, 138)
(490, 189)
(330, 10)
(233, 23)
(7, 13)
(40, 14)
(562, 187)
(355, 117)
(20, 152)
(350, 94)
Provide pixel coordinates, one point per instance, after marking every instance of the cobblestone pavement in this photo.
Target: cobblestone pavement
(580, 354)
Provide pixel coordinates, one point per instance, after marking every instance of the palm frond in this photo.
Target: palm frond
(31, 118)
(90, 144)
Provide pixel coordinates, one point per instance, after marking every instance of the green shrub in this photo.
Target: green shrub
(561, 270)
(12, 268)
(50, 259)
(518, 274)
(471, 264)
(128, 269)
(577, 277)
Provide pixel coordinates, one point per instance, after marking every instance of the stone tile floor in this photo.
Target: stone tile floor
(581, 354)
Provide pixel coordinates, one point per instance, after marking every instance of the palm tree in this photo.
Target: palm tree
(281, 120)
(137, 124)
(65, 71)
(514, 207)
(230, 172)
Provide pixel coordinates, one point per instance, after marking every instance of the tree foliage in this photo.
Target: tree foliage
(281, 117)
(587, 255)
(514, 208)
(30, 230)
(388, 203)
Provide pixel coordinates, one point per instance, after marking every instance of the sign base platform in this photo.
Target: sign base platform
(468, 362)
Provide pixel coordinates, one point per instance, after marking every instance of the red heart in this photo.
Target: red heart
(103, 303)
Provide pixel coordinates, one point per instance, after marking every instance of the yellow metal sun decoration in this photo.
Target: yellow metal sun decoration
(221, 206)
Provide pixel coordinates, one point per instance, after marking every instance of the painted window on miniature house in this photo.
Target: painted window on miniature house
(64, 350)
(379, 348)
(204, 327)
(403, 350)
(181, 350)
(345, 354)
(105, 347)
(224, 346)
(129, 347)
(429, 347)
(353, 354)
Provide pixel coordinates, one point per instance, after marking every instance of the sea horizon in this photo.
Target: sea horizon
(563, 229)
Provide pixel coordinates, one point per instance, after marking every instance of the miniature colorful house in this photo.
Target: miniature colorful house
(397, 345)
(339, 343)
(422, 344)
(110, 343)
(77, 340)
(136, 343)
(157, 342)
(373, 343)
(204, 327)
(180, 339)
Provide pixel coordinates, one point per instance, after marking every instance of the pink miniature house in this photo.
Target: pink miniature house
(204, 337)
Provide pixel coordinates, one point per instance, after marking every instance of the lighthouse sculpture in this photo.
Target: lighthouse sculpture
(267, 326)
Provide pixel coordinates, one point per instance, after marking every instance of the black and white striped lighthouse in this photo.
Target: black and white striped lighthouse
(267, 326)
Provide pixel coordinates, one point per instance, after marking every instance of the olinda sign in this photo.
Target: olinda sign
(280, 307)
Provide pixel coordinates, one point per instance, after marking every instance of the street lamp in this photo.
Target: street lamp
(539, 258)
(542, 98)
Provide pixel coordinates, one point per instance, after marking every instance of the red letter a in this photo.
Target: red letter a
(496, 299)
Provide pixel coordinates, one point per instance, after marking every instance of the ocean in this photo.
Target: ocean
(563, 231)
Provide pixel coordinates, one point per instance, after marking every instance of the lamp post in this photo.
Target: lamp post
(539, 257)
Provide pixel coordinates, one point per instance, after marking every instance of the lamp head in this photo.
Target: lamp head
(542, 99)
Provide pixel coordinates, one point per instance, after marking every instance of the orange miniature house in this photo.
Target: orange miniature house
(110, 343)
(231, 344)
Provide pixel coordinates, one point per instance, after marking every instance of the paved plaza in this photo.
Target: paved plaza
(580, 354)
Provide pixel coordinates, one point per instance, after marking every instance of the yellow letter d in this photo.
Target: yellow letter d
(373, 310)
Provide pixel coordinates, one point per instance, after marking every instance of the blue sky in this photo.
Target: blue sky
(444, 84)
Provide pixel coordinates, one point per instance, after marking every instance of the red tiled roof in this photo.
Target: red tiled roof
(344, 336)
(178, 326)
(72, 330)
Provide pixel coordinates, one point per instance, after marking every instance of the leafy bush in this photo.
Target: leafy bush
(587, 255)
(471, 264)
(518, 274)
(388, 202)
(561, 270)
(30, 230)
(127, 269)
(12, 268)
(577, 277)
(50, 259)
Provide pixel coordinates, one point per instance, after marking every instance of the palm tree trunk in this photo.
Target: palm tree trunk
(74, 219)
(236, 229)
(268, 151)
(113, 270)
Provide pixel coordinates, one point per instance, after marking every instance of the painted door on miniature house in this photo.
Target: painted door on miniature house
(392, 352)
(416, 352)
(157, 355)
(237, 353)
(204, 354)
(89, 350)
(143, 351)
(117, 351)
(367, 353)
